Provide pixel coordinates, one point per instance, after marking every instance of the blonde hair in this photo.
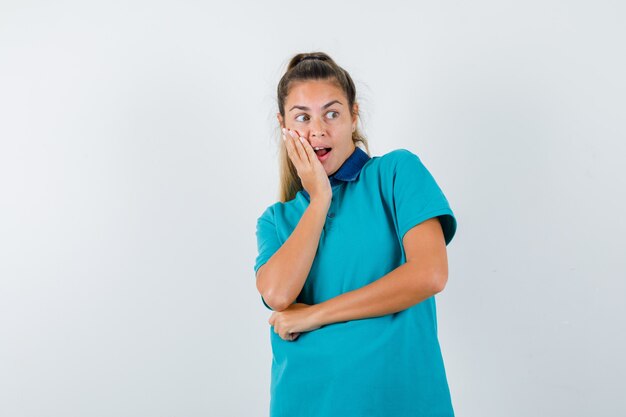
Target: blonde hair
(302, 67)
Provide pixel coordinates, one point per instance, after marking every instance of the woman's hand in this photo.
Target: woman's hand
(292, 321)
(310, 170)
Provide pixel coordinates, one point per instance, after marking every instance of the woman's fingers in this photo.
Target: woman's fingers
(291, 336)
(284, 334)
(299, 146)
(309, 151)
(290, 145)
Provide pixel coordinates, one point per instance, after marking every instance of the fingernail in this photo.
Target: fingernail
(302, 139)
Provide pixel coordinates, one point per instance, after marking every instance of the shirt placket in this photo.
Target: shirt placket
(332, 209)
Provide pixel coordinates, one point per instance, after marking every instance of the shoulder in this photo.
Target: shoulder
(269, 212)
(279, 211)
(396, 158)
(399, 153)
(387, 166)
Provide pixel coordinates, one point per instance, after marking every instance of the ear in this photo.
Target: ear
(355, 115)
(280, 119)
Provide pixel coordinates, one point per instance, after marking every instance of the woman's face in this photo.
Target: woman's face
(318, 111)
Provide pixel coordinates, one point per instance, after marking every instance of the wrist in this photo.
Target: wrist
(322, 203)
(318, 314)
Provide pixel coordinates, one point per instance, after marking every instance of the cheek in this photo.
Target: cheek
(346, 131)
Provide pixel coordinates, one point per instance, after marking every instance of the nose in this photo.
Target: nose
(317, 128)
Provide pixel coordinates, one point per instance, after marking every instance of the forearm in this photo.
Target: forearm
(398, 290)
(284, 275)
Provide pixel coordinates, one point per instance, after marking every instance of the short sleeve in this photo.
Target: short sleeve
(417, 196)
(267, 240)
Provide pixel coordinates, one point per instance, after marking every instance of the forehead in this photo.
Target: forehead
(314, 92)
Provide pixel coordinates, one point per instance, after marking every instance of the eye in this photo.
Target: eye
(298, 117)
(336, 114)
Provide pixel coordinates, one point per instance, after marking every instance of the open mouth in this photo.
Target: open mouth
(322, 154)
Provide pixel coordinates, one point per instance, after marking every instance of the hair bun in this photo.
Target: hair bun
(320, 57)
(309, 56)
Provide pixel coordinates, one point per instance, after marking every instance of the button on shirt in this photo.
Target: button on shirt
(389, 365)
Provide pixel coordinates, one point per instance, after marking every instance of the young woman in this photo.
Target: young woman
(349, 260)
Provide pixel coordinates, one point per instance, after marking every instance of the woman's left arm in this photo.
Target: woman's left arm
(424, 274)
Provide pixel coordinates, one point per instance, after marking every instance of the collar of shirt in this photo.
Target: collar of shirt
(349, 170)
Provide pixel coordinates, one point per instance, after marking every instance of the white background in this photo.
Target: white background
(138, 146)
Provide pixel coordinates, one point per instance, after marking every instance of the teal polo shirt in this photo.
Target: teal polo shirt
(382, 366)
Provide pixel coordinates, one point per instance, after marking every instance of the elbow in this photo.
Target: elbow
(439, 281)
(274, 300)
(275, 303)
(431, 280)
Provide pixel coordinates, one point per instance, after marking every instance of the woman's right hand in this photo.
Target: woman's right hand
(310, 170)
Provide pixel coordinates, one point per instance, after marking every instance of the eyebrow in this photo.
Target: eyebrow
(330, 103)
